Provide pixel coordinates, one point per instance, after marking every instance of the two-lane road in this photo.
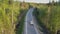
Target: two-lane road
(29, 28)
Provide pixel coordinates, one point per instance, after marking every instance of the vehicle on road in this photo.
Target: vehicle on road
(31, 22)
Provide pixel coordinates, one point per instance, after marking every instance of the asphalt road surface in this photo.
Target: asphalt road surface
(29, 28)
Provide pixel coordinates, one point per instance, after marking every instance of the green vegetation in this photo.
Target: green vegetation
(48, 17)
(8, 16)
(12, 15)
(9, 12)
(21, 24)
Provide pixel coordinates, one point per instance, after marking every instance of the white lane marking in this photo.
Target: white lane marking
(26, 21)
(26, 24)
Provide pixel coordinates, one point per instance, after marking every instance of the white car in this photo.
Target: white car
(31, 22)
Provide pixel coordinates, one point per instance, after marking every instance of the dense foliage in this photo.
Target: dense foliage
(9, 10)
(49, 17)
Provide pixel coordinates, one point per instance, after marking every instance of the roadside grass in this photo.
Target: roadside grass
(23, 10)
(40, 14)
(21, 23)
(52, 26)
(20, 28)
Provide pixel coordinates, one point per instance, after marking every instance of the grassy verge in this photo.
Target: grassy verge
(21, 24)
